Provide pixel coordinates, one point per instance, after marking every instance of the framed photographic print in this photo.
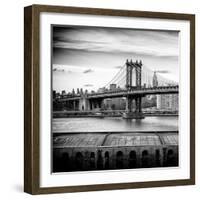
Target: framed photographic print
(109, 99)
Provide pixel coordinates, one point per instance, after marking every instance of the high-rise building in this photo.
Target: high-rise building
(168, 102)
(54, 94)
(174, 102)
(113, 86)
(115, 104)
(101, 90)
(155, 80)
(63, 92)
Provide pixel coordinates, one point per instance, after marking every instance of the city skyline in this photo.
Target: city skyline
(89, 57)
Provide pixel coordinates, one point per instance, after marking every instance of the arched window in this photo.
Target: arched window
(92, 160)
(61, 163)
(132, 162)
(65, 161)
(106, 160)
(56, 163)
(119, 160)
(170, 158)
(157, 158)
(99, 160)
(79, 161)
(145, 159)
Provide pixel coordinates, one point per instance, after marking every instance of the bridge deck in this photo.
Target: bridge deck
(124, 93)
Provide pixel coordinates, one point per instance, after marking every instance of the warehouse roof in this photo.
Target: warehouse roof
(114, 139)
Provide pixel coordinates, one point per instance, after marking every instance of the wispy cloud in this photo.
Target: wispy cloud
(58, 70)
(163, 71)
(88, 85)
(118, 67)
(88, 71)
(69, 71)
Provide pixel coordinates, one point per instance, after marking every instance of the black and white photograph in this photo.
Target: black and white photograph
(115, 98)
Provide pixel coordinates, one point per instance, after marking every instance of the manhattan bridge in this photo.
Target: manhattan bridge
(132, 83)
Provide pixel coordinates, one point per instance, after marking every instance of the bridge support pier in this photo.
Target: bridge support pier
(73, 105)
(84, 104)
(95, 104)
(129, 114)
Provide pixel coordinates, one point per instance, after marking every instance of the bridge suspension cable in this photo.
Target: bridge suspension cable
(146, 78)
(116, 77)
(122, 80)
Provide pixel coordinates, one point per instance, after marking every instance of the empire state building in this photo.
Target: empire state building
(155, 80)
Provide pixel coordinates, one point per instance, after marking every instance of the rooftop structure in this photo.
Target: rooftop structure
(114, 139)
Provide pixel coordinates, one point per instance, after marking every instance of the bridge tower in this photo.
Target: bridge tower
(137, 67)
(83, 103)
(130, 66)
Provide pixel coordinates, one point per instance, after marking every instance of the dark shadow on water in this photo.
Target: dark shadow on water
(138, 121)
(130, 122)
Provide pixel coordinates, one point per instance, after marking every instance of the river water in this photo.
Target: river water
(162, 123)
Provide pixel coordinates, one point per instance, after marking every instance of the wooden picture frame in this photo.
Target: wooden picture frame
(32, 105)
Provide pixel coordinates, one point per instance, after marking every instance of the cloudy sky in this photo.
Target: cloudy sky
(88, 57)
